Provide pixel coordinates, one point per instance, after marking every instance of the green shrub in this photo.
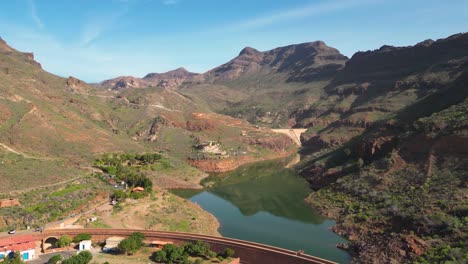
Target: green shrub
(80, 237)
(132, 243)
(228, 252)
(54, 259)
(64, 241)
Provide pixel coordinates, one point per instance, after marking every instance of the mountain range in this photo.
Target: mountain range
(385, 149)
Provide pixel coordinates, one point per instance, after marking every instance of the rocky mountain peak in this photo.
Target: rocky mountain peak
(168, 79)
(425, 43)
(301, 62)
(179, 73)
(248, 51)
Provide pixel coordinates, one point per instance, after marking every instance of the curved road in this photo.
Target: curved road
(249, 252)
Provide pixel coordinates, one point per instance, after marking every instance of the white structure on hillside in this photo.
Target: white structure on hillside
(85, 245)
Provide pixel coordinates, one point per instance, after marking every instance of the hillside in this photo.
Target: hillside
(400, 176)
(286, 79)
(386, 138)
(385, 147)
(46, 123)
(55, 122)
(375, 85)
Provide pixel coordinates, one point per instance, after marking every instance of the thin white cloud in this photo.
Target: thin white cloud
(95, 63)
(296, 13)
(97, 25)
(35, 17)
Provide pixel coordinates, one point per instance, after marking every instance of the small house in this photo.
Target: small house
(24, 244)
(85, 245)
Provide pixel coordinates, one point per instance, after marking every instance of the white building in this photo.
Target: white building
(85, 245)
(24, 244)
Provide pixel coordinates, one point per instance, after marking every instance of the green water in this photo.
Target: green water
(264, 202)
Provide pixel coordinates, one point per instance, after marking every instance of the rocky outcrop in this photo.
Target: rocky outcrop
(76, 85)
(124, 82)
(168, 79)
(156, 125)
(179, 73)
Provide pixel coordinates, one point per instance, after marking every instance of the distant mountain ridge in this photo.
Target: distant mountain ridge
(302, 62)
(168, 79)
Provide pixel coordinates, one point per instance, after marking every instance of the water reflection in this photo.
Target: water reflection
(264, 202)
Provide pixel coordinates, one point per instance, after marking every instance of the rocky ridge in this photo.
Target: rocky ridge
(301, 62)
(168, 79)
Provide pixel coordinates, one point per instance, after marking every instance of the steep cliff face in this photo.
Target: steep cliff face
(375, 85)
(395, 63)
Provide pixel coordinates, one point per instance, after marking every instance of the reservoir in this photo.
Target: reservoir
(264, 202)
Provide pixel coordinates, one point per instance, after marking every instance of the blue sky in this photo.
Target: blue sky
(100, 39)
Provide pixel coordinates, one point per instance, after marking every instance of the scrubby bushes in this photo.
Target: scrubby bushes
(84, 257)
(64, 241)
(80, 237)
(132, 243)
(173, 254)
(126, 167)
(54, 259)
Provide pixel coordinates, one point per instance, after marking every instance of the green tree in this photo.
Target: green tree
(84, 257)
(80, 237)
(119, 195)
(138, 237)
(159, 256)
(54, 259)
(132, 243)
(228, 252)
(197, 248)
(64, 241)
(170, 254)
(128, 245)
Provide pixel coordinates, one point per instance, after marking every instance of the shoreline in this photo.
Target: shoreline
(226, 165)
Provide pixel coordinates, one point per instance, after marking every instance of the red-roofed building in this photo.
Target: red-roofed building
(24, 244)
